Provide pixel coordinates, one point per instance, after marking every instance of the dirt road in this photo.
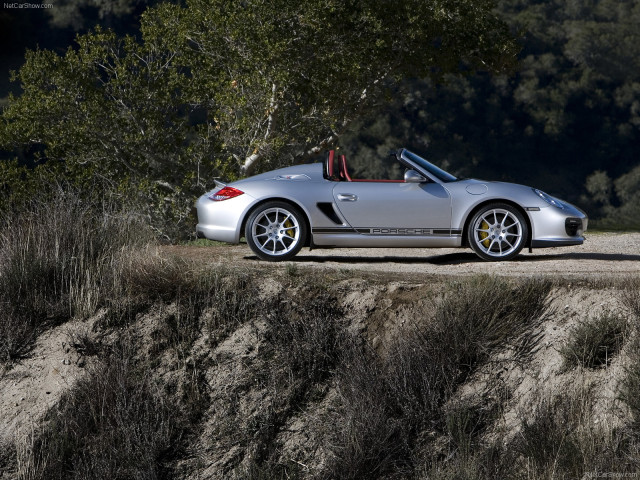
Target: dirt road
(602, 255)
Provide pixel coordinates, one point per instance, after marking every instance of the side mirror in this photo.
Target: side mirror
(411, 176)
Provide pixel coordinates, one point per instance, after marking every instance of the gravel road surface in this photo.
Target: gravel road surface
(601, 255)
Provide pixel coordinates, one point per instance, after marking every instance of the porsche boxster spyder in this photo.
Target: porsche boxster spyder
(405, 201)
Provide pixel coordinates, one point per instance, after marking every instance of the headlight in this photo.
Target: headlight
(549, 199)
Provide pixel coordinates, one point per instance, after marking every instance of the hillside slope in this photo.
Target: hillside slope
(295, 372)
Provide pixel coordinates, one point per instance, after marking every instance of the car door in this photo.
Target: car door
(394, 208)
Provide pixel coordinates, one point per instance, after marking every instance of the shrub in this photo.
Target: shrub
(593, 343)
(55, 260)
(114, 423)
(386, 404)
(562, 440)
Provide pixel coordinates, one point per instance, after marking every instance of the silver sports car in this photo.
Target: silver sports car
(404, 201)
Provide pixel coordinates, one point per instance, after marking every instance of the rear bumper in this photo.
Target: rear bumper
(222, 221)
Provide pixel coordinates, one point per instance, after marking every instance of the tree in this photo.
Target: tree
(109, 117)
(228, 87)
(572, 108)
(282, 80)
(74, 13)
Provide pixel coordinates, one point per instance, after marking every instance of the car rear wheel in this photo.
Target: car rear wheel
(276, 231)
(497, 232)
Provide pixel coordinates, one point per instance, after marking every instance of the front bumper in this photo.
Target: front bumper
(554, 227)
(556, 243)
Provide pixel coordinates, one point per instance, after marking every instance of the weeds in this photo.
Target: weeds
(593, 343)
(631, 298)
(300, 349)
(548, 442)
(114, 423)
(561, 440)
(55, 261)
(630, 387)
(388, 416)
(386, 404)
(215, 301)
(233, 301)
(369, 437)
(480, 315)
(292, 270)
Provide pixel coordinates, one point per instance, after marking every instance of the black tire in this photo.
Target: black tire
(276, 231)
(497, 232)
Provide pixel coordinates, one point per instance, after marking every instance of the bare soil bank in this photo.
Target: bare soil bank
(383, 295)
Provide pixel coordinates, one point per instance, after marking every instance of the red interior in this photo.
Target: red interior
(343, 174)
(330, 164)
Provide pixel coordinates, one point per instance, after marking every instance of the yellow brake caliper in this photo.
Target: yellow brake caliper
(484, 236)
(289, 224)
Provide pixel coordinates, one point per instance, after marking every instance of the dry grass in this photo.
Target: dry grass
(55, 263)
(392, 415)
(115, 423)
(562, 440)
(631, 298)
(300, 346)
(388, 404)
(593, 343)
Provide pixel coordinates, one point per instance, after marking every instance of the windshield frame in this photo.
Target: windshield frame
(434, 172)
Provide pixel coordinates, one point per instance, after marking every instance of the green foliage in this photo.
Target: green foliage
(219, 87)
(74, 13)
(110, 118)
(293, 75)
(570, 110)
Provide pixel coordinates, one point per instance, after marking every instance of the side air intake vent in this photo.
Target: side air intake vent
(329, 211)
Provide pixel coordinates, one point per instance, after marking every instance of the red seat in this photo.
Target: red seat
(343, 173)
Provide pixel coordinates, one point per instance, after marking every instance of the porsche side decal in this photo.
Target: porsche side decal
(420, 232)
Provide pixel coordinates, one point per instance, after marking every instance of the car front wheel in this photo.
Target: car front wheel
(497, 232)
(276, 231)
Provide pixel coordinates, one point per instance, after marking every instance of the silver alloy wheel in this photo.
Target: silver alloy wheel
(498, 233)
(275, 231)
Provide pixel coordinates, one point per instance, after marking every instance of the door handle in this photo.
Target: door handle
(347, 197)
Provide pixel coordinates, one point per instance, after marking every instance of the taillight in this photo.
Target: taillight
(225, 194)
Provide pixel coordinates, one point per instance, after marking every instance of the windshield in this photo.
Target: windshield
(429, 167)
